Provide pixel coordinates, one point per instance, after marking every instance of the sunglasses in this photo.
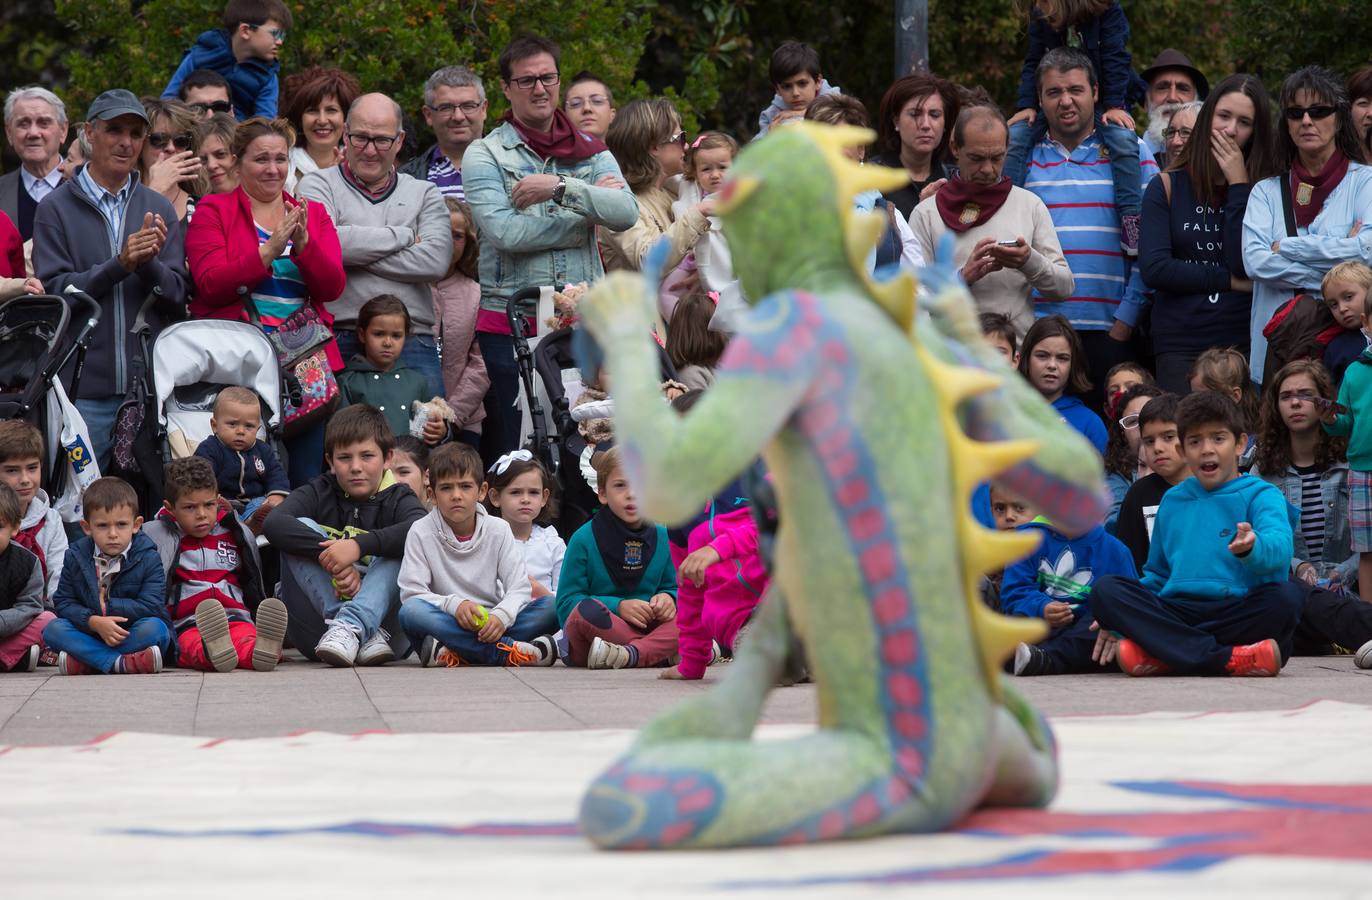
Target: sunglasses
(160, 139)
(278, 34)
(1296, 113)
(678, 138)
(218, 106)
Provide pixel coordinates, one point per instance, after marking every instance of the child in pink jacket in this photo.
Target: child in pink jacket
(457, 299)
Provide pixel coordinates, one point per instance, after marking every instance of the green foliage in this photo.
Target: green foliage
(1272, 38)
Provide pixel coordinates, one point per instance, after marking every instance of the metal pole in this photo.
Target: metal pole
(912, 37)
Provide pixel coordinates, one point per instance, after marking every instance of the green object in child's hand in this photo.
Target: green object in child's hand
(481, 617)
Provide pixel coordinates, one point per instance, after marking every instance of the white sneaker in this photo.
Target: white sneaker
(428, 652)
(29, 661)
(547, 650)
(376, 650)
(338, 646)
(716, 653)
(605, 655)
(1363, 658)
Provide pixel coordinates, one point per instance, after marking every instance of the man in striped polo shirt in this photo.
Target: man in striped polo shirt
(1070, 172)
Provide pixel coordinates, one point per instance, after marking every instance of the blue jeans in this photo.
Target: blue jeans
(1122, 143)
(422, 619)
(500, 431)
(146, 632)
(98, 414)
(420, 354)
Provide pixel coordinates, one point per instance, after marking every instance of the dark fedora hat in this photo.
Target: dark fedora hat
(1175, 59)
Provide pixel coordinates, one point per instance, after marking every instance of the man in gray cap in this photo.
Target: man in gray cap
(118, 241)
(1173, 82)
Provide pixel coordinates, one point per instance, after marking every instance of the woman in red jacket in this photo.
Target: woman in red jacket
(258, 242)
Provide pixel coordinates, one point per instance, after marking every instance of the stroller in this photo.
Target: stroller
(38, 341)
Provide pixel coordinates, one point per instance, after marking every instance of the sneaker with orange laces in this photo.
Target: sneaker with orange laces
(144, 662)
(1260, 660)
(70, 665)
(522, 653)
(432, 654)
(1135, 661)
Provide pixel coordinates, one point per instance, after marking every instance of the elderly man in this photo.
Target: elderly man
(1004, 242)
(455, 109)
(538, 188)
(1173, 82)
(393, 229)
(118, 241)
(35, 125)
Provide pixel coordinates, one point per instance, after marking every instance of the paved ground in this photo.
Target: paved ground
(45, 708)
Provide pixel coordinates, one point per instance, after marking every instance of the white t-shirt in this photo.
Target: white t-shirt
(543, 553)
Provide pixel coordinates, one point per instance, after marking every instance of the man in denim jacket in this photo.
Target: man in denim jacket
(538, 188)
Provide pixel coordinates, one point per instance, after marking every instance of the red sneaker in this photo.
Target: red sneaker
(70, 665)
(144, 662)
(1260, 660)
(1136, 662)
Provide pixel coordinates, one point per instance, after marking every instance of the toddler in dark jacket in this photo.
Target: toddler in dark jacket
(249, 472)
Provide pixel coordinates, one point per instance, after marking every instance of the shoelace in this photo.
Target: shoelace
(448, 658)
(518, 657)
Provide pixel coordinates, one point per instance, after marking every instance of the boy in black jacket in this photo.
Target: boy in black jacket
(341, 538)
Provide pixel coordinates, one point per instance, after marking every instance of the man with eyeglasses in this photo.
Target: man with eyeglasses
(207, 92)
(1173, 82)
(455, 109)
(35, 124)
(538, 189)
(393, 230)
(244, 52)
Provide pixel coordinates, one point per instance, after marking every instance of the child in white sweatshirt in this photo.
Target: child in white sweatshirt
(463, 584)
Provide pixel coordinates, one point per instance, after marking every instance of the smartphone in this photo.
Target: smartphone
(1014, 243)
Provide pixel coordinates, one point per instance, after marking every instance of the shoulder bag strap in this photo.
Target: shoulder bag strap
(1286, 207)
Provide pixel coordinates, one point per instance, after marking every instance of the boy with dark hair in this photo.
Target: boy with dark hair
(465, 588)
(40, 530)
(22, 616)
(1162, 454)
(247, 470)
(245, 52)
(794, 73)
(111, 602)
(213, 576)
(523, 46)
(1215, 596)
(999, 331)
(341, 538)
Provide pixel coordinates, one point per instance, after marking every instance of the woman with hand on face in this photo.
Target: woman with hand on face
(216, 152)
(170, 163)
(1191, 239)
(258, 244)
(317, 108)
(914, 122)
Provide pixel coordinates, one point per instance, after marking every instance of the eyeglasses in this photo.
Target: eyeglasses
(1183, 133)
(160, 139)
(447, 109)
(678, 138)
(278, 34)
(219, 106)
(1130, 422)
(382, 143)
(1296, 113)
(526, 82)
(589, 100)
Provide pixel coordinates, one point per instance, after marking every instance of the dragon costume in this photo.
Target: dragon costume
(876, 423)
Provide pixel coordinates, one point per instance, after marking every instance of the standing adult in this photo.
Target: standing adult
(108, 235)
(1321, 171)
(1178, 131)
(590, 104)
(1173, 82)
(913, 126)
(455, 110)
(1360, 102)
(1191, 243)
(538, 188)
(393, 229)
(317, 102)
(207, 92)
(171, 162)
(984, 210)
(216, 152)
(35, 125)
(256, 243)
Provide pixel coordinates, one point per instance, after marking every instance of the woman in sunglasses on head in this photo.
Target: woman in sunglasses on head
(1314, 214)
(171, 163)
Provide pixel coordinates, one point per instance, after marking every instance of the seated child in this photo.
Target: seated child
(1052, 584)
(1225, 370)
(41, 531)
(1345, 288)
(1162, 454)
(410, 466)
(111, 601)
(213, 577)
(999, 331)
(379, 376)
(22, 616)
(617, 599)
(1214, 596)
(1123, 448)
(245, 52)
(465, 591)
(1053, 360)
(1007, 513)
(341, 538)
(520, 491)
(248, 471)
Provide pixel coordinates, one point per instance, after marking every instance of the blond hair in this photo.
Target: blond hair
(1350, 273)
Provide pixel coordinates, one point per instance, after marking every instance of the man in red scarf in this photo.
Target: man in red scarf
(1004, 240)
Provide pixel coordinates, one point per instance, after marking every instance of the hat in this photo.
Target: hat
(1175, 59)
(113, 104)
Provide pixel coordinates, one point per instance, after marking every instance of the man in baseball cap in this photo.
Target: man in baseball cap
(1172, 82)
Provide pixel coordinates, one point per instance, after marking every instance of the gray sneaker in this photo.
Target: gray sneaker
(1363, 658)
(271, 631)
(604, 655)
(338, 646)
(376, 650)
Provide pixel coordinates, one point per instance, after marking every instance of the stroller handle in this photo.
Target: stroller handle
(512, 314)
(92, 308)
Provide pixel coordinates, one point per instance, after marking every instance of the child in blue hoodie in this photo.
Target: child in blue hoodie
(1052, 584)
(1215, 596)
(1054, 362)
(245, 52)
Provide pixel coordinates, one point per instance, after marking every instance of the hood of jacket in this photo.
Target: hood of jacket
(38, 509)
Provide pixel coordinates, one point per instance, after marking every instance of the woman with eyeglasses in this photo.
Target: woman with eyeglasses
(171, 163)
(317, 101)
(1123, 464)
(1317, 212)
(1190, 237)
(589, 104)
(1178, 130)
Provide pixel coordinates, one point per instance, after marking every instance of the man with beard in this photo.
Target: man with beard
(1172, 83)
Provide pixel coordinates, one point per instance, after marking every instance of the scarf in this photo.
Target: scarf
(564, 143)
(963, 205)
(1308, 192)
(624, 550)
(374, 196)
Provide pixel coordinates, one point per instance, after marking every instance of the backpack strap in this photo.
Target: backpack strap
(1287, 210)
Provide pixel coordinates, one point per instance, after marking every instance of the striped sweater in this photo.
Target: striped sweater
(218, 566)
(1080, 196)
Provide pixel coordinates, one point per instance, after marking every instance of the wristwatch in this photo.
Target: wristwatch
(560, 190)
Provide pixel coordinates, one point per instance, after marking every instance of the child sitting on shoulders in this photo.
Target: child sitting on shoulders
(1054, 362)
(213, 577)
(617, 599)
(520, 491)
(1161, 449)
(22, 616)
(465, 591)
(247, 470)
(457, 301)
(40, 530)
(1346, 289)
(410, 466)
(245, 52)
(379, 377)
(111, 602)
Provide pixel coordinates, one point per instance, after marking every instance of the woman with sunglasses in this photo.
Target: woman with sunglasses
(1326, 188)
(171, 163)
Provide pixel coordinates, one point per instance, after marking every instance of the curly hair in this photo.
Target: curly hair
(1118, 457)
(1274, 438)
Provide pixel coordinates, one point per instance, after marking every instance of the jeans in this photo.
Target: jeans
(146, 632)
(420, 354)
(98, 414)
(422, 619)
(500, 431)
(1122, 143)
(1069, 647)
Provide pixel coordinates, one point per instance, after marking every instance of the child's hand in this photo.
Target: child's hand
(637, 613)
(467, 615)
(693, 567)
(1306, 574)
(1058, 614)
(108, 629)
(672, 674)
(339, 556)
(1119, 117)
(492, 631)
(435, 430)
(538, 588)
(1243, 541)
(787, 115)
(1027, 116)
(664, 607)
(1107, 645)
(348, 583)
(33, 286)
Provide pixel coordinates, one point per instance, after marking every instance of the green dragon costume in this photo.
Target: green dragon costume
(876, 425)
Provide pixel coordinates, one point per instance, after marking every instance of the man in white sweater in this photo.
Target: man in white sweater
(393, 229)
(1005, 243)
(464, 588)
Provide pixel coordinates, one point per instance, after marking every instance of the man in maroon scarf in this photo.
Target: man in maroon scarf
(1004, 240)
